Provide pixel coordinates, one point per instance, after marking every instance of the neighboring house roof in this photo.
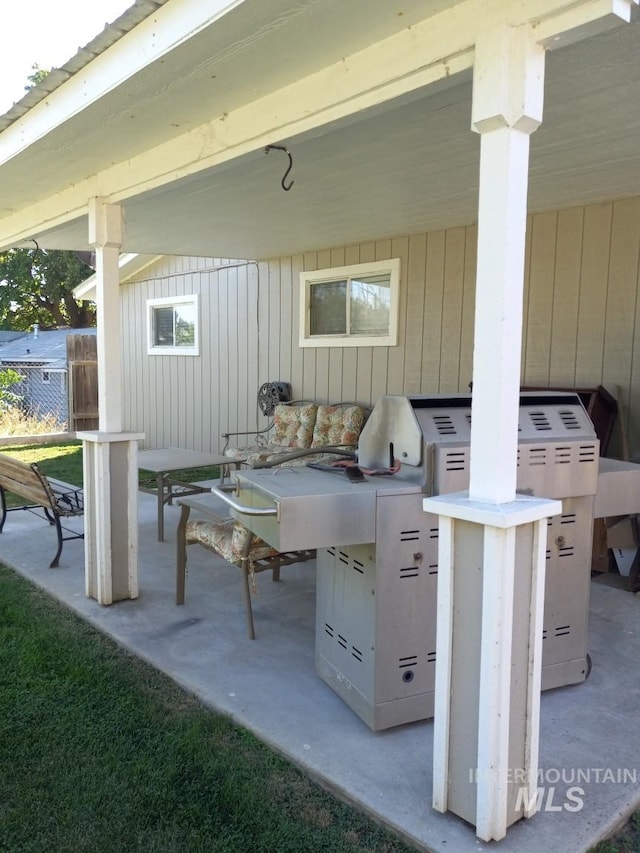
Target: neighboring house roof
(6, 337)
(46, 349)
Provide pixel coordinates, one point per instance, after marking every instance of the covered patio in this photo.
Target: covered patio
(585, 729)
(153, 140)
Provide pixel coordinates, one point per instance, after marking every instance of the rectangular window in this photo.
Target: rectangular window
(46, 377)
(350, 306)
(172, 326)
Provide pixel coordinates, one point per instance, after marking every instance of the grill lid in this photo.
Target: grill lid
(402, 425)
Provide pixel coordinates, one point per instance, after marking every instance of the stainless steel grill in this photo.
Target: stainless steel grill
(378, 550)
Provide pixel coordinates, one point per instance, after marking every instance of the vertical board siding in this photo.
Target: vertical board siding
(413, 331)
(455, 244)
(468, 309)
(564, 317)
(432, 316)
(622, 304)
(540, 310)
(581, 326)
(592, 311)
(399, 248)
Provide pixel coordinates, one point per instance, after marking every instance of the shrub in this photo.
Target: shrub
(13, 421)
(9, 399)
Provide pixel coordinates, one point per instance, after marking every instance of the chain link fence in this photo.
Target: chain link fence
(35, 402)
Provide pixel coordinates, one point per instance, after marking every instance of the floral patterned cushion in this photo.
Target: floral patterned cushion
(251, 454)
(228, 538)
(337, 425)
(293, 425)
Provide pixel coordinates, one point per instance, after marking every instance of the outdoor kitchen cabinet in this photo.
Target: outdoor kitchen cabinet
(376, 616)
(377, 558)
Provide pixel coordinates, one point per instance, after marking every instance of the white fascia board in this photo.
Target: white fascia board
(587, 19)
(129, 264)
(164, 30)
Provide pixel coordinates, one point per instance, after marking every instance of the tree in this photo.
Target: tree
(37, 76)
(36, 287)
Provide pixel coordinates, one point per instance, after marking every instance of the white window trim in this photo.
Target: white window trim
(307, 279)
(172, 300)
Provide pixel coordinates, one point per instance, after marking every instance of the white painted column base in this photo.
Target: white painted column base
(491, 575)
(111, 515)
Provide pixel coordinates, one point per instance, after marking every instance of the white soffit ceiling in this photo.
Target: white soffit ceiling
(407, 167)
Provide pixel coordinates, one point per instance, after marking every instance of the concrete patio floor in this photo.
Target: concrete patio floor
(590, 737)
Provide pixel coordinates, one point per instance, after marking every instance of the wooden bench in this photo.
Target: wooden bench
(55, 498)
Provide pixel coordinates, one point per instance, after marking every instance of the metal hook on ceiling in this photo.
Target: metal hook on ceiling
(37, 250)
(284, 177)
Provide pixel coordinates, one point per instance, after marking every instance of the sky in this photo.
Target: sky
(46, 33)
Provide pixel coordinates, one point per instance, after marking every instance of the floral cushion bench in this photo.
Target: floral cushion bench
(298, 429)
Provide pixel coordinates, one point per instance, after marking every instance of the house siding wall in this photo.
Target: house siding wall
(581, 326)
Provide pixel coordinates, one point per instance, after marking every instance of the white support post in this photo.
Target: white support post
(110, 455)
(508, 89)
(491, 574)
(491, 560)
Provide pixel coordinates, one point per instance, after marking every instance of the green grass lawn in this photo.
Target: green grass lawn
(64, 462)
(626, 841)
(100, 752)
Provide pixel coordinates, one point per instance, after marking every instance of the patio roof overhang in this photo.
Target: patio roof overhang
(377, 120)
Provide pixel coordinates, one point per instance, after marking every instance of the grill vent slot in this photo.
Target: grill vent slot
(358, 566)
(563, 630)
(444, 425)
(569, 518)
(409, 535)
(567, 551)
(433, 569)
(356, 653)
(410, 572)
(411, 660)
(562, 454)
(342, 641)
(569, 419)
(433, 533)
(455, 461)
(344, 558)
(540, 421)
(328, 629)
(431, 657)
(538, 456)
(586, 453)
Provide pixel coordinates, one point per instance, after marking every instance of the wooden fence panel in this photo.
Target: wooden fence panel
(82, 362)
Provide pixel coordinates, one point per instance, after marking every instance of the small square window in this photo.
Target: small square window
(46, 377)
(172, 326)
(350, 306)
